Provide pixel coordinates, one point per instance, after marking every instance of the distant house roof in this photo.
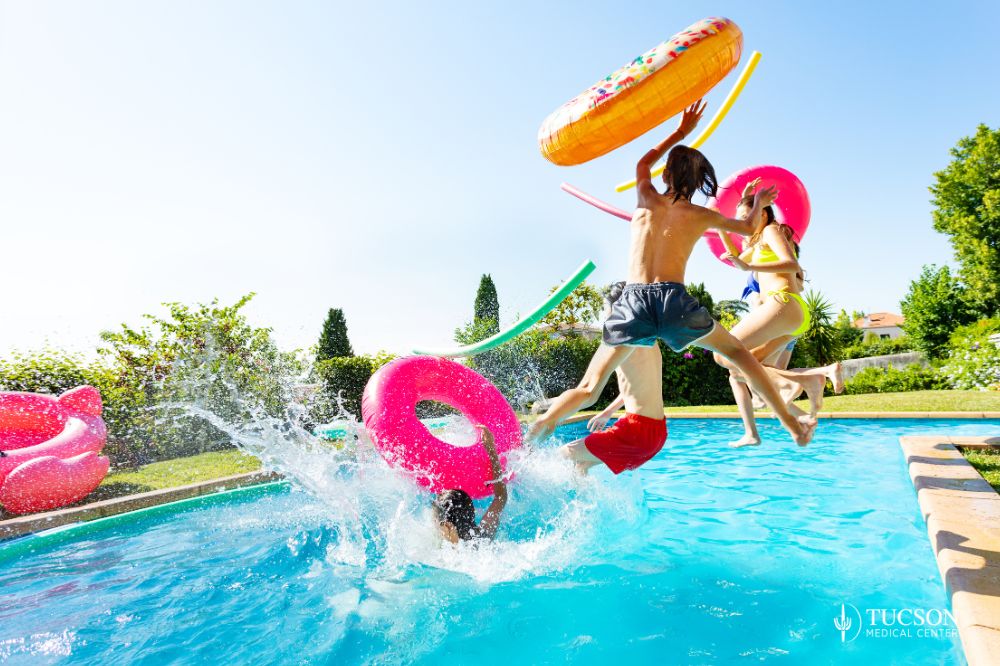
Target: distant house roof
(878, 320)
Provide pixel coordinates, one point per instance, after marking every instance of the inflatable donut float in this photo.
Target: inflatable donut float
(51, 448)
(647, 91)
(792, 206)
(388, 407)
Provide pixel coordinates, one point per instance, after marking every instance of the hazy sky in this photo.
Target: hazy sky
(380, 156)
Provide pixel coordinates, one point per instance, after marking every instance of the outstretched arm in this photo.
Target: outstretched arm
(598, 422)
(491, 519)
(746, 226)
(689, 120)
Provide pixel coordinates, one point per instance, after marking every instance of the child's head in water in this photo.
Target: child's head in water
(455, 515)
(688, 172)
(454, 511)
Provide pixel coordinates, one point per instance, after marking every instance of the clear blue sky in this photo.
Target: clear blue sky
(380, 156)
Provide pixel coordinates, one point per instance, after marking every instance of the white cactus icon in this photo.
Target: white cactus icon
(843, 623)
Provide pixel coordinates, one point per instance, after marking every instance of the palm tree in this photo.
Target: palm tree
(735, 307)
(821, 341)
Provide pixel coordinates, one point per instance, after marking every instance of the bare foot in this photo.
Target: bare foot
(539, 430)
(814, 386)
(835, 373)
(807, 430)
(746, 440)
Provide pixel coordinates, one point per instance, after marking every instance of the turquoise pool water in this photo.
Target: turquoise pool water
(705, 556)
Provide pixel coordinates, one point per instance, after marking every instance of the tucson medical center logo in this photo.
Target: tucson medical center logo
(893, 623)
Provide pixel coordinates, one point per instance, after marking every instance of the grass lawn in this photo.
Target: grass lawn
(173, 473)
(988, 463)
(169, 474)
(911, 401)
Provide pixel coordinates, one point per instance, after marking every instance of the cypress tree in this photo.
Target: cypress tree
(333, 342)
(487, 307)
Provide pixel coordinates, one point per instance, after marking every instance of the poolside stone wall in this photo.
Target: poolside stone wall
(853, 366)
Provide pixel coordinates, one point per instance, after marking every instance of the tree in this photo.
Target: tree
(487, 307)
(845, 331)
(933, 308)
(819, 345)
(333, 341)
(701, 294)
(966, 197)
(582, 306)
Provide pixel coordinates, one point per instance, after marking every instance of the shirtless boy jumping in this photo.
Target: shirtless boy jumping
(654, 304)
(640, 434)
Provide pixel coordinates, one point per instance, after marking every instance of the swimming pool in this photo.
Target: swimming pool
(707, 555)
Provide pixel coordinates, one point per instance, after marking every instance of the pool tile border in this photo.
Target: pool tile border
(36, 522)
(822, 415)
(962, 513)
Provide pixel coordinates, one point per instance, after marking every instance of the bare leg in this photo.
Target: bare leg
(745, 404)
(604, 362)
(582, 458)
(722, 342)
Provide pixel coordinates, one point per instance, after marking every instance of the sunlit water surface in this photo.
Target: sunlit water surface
(706, 555)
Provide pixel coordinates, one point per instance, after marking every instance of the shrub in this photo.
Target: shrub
(973, 361)
(343, 381)
(53, 371)
(892, 380)
(878, 347)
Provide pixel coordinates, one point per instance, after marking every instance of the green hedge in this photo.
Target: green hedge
(878, 347)
(892, 380)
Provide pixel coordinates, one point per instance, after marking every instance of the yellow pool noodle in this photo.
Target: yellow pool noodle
(716, 119)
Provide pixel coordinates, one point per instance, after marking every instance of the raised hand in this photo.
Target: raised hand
(767, 196)
(751, 187)
(691, 116)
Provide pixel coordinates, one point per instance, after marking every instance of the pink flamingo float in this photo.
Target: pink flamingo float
(50, 448)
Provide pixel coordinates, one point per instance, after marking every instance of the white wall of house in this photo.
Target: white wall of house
(884, 332)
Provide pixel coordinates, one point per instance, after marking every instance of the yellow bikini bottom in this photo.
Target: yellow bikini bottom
(783, 295)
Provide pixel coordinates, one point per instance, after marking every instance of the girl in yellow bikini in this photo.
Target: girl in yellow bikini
(781, 317)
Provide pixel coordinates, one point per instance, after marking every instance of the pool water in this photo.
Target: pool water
(707, 555)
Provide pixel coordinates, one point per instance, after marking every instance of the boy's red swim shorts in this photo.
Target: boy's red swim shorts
(629, 443)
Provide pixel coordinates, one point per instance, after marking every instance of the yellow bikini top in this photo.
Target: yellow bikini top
(763, 254)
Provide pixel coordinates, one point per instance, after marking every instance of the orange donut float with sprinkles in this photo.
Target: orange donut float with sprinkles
(642, 94)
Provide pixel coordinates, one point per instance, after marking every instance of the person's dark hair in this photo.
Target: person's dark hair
(768, 211)
(687, 172)
(456, 507)
(614, 291)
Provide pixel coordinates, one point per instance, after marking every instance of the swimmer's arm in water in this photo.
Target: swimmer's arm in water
(643, 179)
(491, 519)
(598, 422)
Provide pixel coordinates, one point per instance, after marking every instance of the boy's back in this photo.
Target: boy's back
(664, 233)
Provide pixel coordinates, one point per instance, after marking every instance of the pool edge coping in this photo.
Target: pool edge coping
(19, 526)
(822, 415)
(962, 514)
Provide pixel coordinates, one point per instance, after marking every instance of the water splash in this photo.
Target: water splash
(376, 521)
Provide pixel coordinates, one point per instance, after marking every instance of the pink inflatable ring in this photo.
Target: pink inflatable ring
(388, 407)
(51, 448)
(791, 208)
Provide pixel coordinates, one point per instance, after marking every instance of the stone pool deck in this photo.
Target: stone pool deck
(962, 512)
(36, 522)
